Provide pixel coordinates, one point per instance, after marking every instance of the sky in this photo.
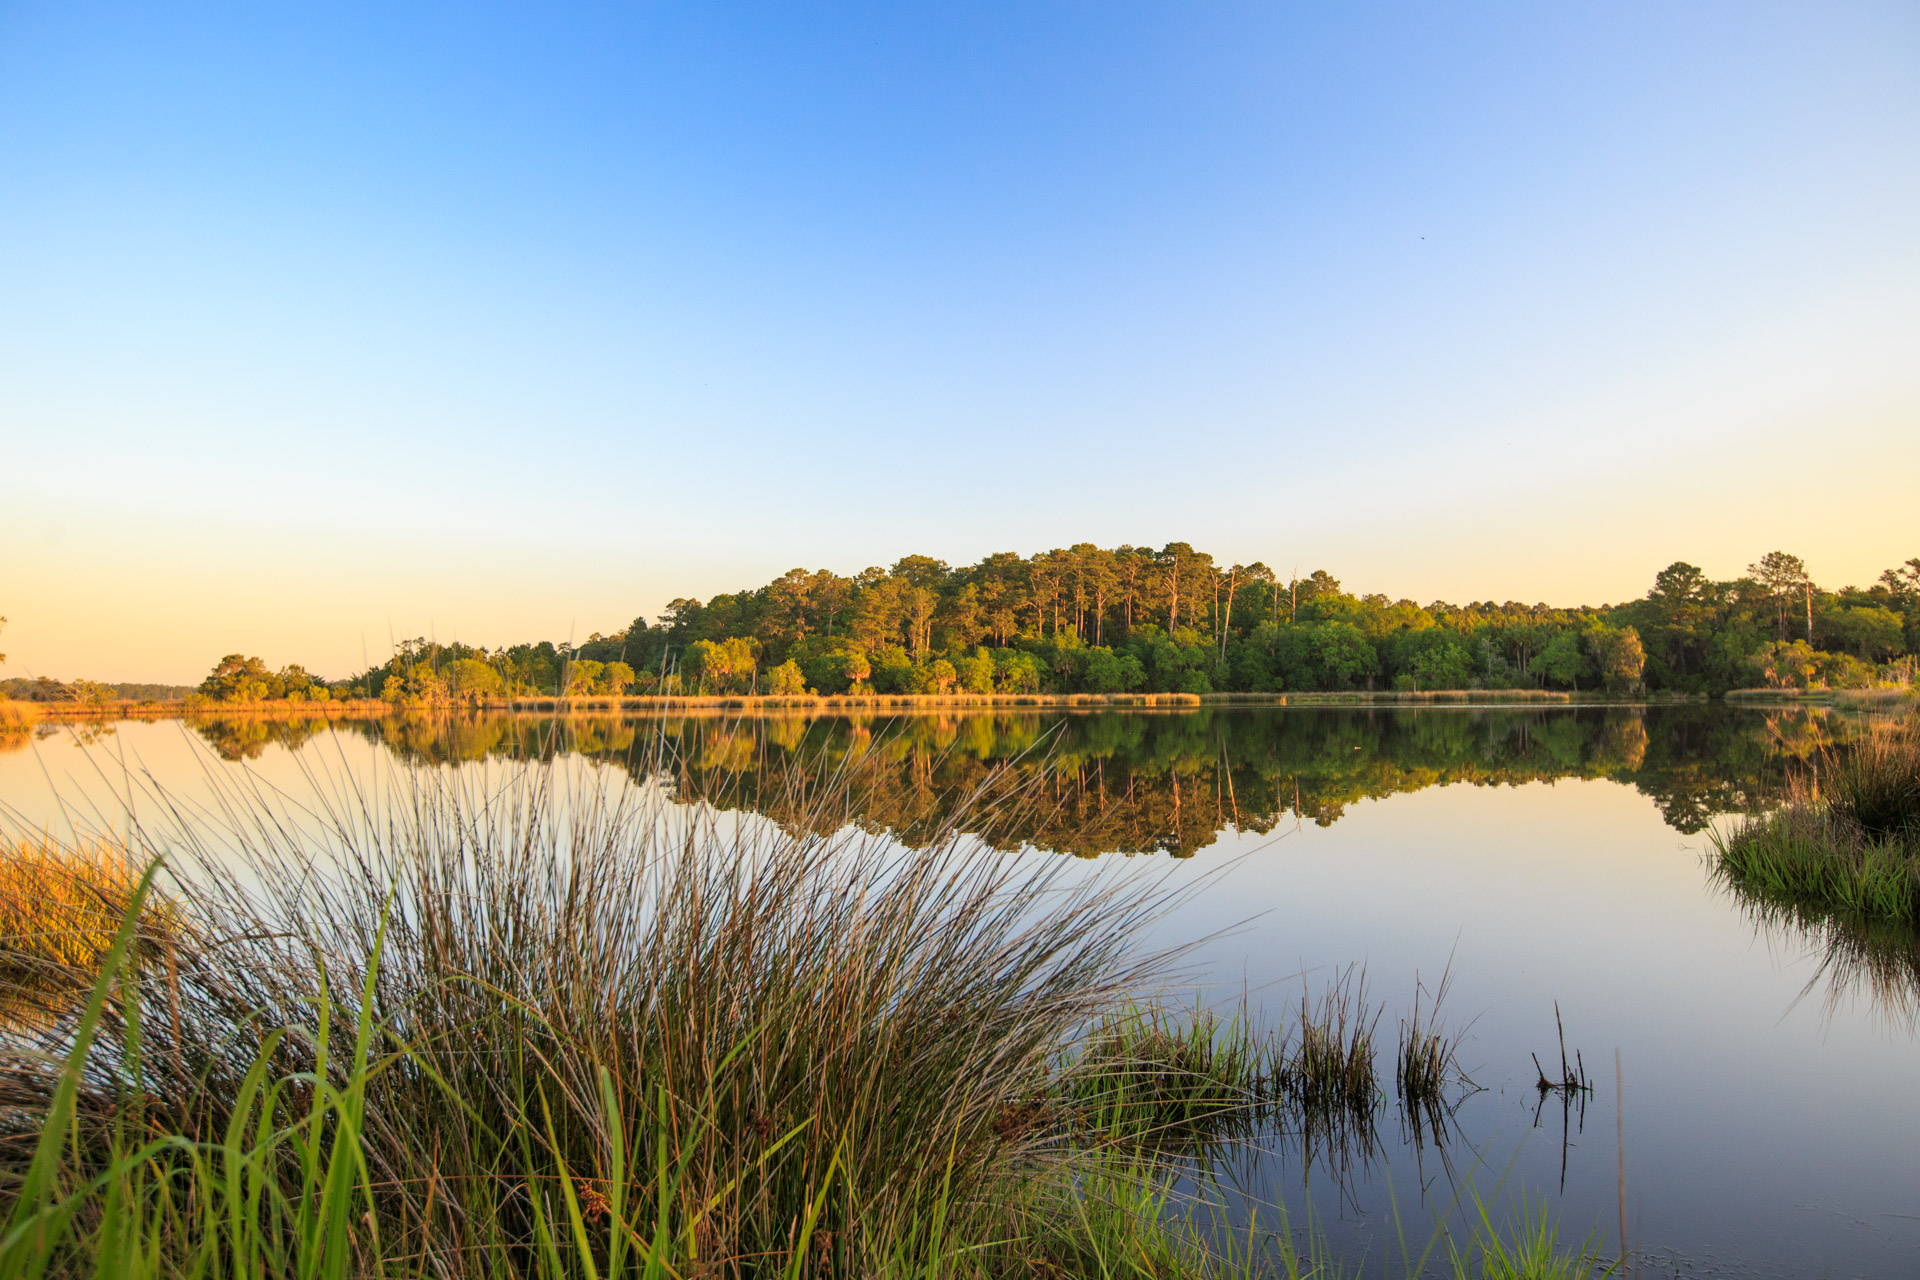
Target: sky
(322, 326)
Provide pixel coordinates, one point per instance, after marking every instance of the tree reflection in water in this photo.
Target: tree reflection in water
(1126, 782)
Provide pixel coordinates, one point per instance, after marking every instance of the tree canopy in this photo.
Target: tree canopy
(1111, 620)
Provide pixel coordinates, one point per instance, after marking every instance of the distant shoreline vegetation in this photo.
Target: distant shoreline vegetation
(1087, 620)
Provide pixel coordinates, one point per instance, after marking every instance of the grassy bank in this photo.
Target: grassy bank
(805, 703)
(1848, 838)
(1876, 699)
(481, 1028)
(86, 712)
(18, 717)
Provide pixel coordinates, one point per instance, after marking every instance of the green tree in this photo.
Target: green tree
(1618, 657)
(1015, 671)
(237, 678)
(1785, 580)
(703, 662)
(974, 673)
(616, 678)
(1109, 672)
(1786, 664)
(892, 669)
(1873, 633)
(1843, 671)
(785, 680)
(1563, 661)
(1342, 656)
(414, 685)
(473, 678)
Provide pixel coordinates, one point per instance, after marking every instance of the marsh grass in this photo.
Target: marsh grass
(1528, 1248)
(735, 703)
(1329, 1071)
(60, 910)
(577, 1019)
(473, 1025)
(1874, 783)
(17, 717)
(1150, 1070)
(1847, 839)
(1427, 1071)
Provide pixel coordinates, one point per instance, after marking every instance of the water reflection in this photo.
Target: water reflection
(1860, 961)
(1131, 782)
(1649, 961)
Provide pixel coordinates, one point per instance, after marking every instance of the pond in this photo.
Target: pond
(1752, 1108)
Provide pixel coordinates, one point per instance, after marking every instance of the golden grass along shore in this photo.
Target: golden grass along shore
(23, 715)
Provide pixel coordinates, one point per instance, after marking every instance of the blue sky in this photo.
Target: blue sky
(320, 325)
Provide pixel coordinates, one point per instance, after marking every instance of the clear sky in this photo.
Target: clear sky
(321, 325)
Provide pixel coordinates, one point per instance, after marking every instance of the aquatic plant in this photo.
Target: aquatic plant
(61, 906)
(1875, 782)
(1329, 1070)
(1851, 845)
(1528, 1249)
(1805, 854)
(1428, 1060)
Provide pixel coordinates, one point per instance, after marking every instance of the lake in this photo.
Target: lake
(1548, 856)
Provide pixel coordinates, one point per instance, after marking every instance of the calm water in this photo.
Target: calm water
(1771, 1118)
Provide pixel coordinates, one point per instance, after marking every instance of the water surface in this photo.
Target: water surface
(1551, 855)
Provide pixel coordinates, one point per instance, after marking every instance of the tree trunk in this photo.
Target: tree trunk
(1233, 582)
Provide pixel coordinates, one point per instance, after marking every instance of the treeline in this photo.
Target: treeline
(46, 689)
(1087, 619)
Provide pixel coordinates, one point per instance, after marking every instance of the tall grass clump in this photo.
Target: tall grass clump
(17, 717)
(1875, 783)
(1329, 1069)
(1427, 1063)
(1528, 1249)
(1847, 839)
(520, 1031)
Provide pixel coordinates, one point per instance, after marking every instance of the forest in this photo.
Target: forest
(1086, 619)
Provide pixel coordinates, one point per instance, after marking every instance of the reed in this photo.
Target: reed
(1528, 1249)
(579, 1002)
(839, 701)
(1329, 1069)
(18, 717)
(1428, 1061)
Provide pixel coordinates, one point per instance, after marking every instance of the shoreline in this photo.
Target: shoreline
(368, 709)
